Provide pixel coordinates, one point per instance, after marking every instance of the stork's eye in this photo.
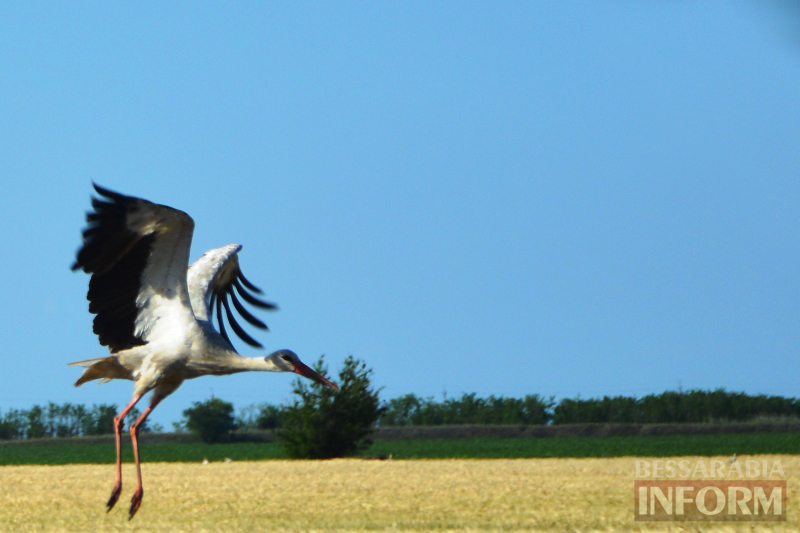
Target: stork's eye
(286, 358)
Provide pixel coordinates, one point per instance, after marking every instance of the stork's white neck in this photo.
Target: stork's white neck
(232, 363)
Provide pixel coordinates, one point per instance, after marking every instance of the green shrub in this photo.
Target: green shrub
(213, 420)
(323, 423)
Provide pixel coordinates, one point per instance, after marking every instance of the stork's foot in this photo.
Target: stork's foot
(136, 501)
(115, 492)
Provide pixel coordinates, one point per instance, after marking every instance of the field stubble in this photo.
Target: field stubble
(346, 495)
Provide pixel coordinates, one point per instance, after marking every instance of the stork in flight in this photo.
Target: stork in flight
(154, 311)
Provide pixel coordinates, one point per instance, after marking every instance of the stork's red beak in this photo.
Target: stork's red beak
(307, 372)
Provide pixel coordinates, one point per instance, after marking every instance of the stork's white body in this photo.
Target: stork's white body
(154, 312)
(182, 343)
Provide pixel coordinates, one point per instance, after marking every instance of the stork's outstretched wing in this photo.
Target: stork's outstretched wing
(212, 280)
(137, 253)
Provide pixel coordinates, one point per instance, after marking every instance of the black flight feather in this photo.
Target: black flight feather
(114, 284)
(236, 327)
(252, 300)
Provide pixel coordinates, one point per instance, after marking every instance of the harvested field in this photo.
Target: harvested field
(347, 495)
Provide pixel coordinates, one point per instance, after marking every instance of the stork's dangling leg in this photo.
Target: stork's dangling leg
(119, 420)
(136, 500)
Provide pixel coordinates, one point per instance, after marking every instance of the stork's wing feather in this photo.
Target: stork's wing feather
(214, 281)
(137, 253)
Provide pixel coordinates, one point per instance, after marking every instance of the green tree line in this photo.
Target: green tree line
(411, 410)
(53, 420)
(696, 406)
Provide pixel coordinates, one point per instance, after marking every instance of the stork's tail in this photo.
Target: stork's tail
(104, 368)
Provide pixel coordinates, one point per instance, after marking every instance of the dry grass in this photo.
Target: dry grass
(346, 495)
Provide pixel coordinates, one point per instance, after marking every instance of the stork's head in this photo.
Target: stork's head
(287, 361)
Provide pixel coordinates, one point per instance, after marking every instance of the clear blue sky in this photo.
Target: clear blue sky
(563, 198)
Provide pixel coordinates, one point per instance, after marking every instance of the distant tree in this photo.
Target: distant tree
(246, 419)
(261, 416)
(537, 409)
(213, 420)
(13, 424)
(100, 420)
(323, 423)
(402, 411)
(65, 420)
(37, 425)
(270, 416)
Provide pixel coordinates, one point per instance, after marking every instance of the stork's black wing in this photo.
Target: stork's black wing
(137, 253)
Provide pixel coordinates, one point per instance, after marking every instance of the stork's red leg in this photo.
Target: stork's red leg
(118, 421)
(136, 500)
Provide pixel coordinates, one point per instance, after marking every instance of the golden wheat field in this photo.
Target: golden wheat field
(348, 495)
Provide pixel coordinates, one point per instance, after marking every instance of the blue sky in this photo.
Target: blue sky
(563, 198)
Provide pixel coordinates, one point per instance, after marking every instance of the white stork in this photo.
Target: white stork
(154, 311)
